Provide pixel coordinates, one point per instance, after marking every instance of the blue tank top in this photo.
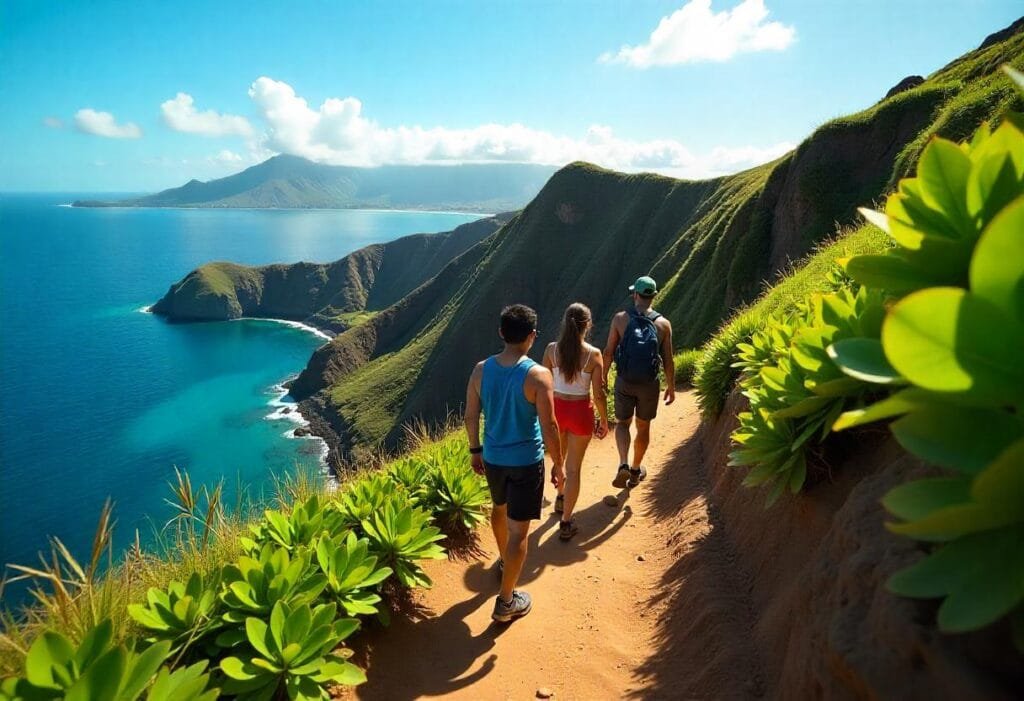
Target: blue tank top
(512, 435)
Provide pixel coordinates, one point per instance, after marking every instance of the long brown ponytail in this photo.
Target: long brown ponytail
(570, 342)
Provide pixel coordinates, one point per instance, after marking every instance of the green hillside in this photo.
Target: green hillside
(712, 245)
(334, 295)
(286, 181)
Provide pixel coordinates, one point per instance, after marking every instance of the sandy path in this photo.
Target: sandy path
(601, 602)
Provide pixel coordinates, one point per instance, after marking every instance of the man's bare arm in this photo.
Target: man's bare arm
(669, 363)
(544, 400)
(609, 348)
(473, 416)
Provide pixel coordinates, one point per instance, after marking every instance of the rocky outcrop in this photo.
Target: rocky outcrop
(911, 81)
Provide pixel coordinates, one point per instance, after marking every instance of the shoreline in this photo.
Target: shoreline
(320, 333)
(278, 404)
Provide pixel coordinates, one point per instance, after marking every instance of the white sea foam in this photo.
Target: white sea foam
(66, 205)
(148, 309)
(294, 324)
(280, 402)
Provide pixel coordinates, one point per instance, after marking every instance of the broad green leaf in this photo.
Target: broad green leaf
(997, 268)
(994, 585)
(864, 359)
(102, 679)
(917, 499)
(804, 407)
(948, 435)
(236, 669)
(889, 272)
(948, 340)
(993, 184)
(942, 172)
(1016, 76)
(899, 403)
(1000, 486)
(49, 649)
(142, 667)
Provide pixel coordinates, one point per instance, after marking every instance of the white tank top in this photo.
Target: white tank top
(580, 387)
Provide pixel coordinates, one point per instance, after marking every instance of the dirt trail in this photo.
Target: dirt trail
(642, 603)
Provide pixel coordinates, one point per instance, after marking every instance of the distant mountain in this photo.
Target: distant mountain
(293, 182)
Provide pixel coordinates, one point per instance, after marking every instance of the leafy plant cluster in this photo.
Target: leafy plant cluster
(272, 623)
(933, 339)
(795, 390)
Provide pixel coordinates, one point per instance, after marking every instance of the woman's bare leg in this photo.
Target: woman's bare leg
(577, 448)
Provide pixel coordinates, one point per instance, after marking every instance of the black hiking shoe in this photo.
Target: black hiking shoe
(621, 477)
(559, 503)
(567, 529)
(636, 476)
(504, 612)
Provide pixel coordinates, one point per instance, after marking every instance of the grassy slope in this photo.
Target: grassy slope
(713, 244)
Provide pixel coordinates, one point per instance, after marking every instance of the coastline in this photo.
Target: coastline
(313, 423)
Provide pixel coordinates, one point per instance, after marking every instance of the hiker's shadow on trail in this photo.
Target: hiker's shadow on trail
(597, 523)
(437, 653)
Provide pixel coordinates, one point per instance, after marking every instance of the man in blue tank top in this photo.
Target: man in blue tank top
(516, 395)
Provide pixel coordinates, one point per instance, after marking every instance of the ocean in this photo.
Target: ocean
(99, 399)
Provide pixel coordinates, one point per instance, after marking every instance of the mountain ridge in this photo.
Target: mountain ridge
(291, 182)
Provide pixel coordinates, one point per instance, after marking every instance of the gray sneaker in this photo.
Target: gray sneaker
(621, 476)
(636, 476)
(505, 612)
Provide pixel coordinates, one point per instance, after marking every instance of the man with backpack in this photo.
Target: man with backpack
(639, 340)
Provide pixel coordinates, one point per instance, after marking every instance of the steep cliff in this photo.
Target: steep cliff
(332, 296)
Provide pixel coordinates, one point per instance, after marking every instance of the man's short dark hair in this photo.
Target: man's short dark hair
(517, 322)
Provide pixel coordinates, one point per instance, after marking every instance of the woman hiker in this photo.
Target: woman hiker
(578, 369)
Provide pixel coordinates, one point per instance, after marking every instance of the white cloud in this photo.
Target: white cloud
(226, 158)
(695, 33)
(337, 132)
(103, 124)
(180, 114)
(53, 122)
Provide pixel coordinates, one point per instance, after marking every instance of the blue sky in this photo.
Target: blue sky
(134, 96)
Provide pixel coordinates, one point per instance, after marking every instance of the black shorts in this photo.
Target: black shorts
(521, 488)
(635, 397)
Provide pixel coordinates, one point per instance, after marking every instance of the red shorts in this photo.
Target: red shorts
(576, 417)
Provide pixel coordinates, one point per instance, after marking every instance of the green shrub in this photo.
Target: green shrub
(254, 585)
(686, 365)
(400, 536)
(97, 669)
(715, 372)
(955, 337)
(183, 615)
(292, 653)
(795, 390)
(300, 528)
(352, 573)
(366, 496)
(192, 683)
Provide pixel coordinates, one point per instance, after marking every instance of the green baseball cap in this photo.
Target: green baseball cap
(644, 286)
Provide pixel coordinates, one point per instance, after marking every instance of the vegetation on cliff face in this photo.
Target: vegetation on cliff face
(926, 331)
(335, 295)
(292, 182)
(589, 232)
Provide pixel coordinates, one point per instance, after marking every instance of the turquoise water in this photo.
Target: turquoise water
(98, 399)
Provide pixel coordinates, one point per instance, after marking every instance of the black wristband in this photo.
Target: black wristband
(476, 451)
